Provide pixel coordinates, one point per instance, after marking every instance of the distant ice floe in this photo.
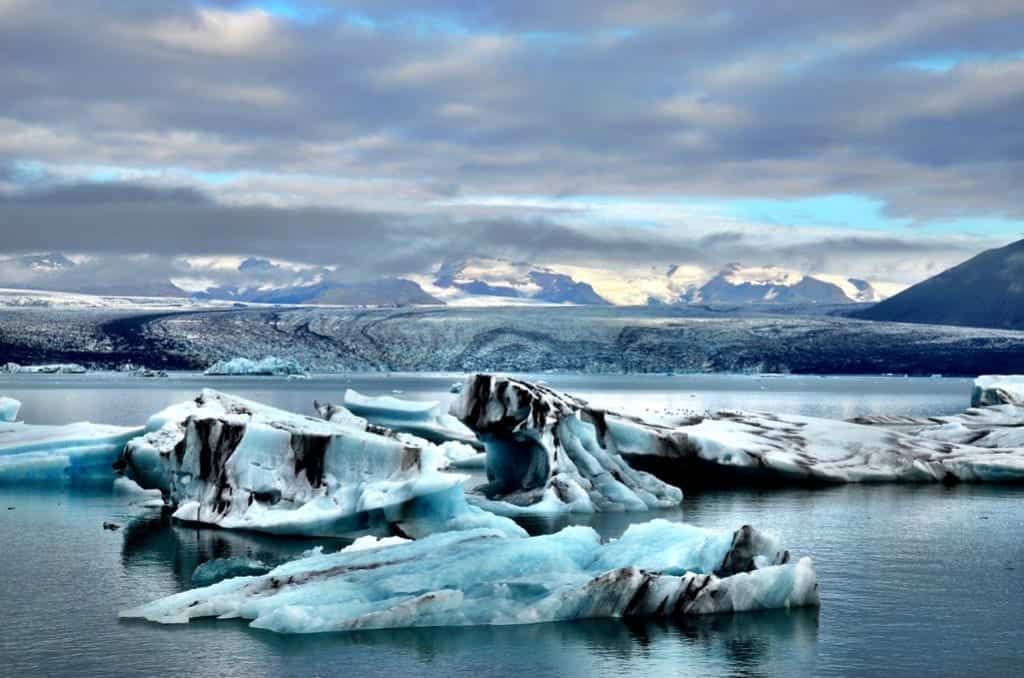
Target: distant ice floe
(484, 577)
(54, 455)
(9, 408)
(56, 368)
(234, 463)
(270, 366)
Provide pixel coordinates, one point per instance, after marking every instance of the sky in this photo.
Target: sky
(875, 139)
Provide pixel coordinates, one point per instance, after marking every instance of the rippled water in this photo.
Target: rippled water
(915, 580)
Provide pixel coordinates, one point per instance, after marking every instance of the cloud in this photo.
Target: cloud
(369, 135)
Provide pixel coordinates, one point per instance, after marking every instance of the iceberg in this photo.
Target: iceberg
(78, 453)
(998, 390)
(57, 368)
(233, 463)
(482, 577)
(550, 453)
(268, 367)
(419, 423)
(423, 419)
(9, 409)
(524, 425)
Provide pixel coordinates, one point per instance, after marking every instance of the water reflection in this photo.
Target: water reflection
(154, 540)
(153, 548)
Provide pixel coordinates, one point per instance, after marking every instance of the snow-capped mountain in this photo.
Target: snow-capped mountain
(496, 281)
(472, 282)
(736, 284)
(271, 283)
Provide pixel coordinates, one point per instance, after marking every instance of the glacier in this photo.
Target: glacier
(270, 366)
(525, 426)
(76, 453)
(483, 577)
(233, 463)
(9, 408)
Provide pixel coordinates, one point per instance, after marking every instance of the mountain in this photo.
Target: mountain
(55, 272)
(54, 261)
(985, 291)
(272, 283)
(498, 280)
(736, 284)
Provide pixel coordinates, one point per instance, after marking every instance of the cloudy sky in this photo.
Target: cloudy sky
(877, 139)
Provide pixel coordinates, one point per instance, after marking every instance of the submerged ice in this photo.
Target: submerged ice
(482, 576)
(225, 461)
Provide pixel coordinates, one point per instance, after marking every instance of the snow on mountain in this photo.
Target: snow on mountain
(480, 281)
(268, 282)
(734, 284)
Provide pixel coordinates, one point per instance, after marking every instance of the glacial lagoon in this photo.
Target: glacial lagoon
(915, 580)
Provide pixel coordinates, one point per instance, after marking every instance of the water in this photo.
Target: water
(915, 580)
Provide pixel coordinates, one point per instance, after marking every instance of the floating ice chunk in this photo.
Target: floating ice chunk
(219, 569)
(524, 425)
(998, 390)
(9, 409)
(57, 368)
(481, 577)
(270, 366)
(79, 452)
(420, 418)
(551, 453)
(234, 463)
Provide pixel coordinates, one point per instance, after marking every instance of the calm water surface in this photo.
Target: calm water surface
(915, 580)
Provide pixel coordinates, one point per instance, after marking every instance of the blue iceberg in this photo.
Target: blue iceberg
(483, 577)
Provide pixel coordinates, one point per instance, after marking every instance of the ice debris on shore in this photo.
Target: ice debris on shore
(482, 577)
(230, 462)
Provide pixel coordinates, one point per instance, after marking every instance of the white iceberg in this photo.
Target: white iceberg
(524, 426)
(481, 577)
(81, 452)
(225, 461)
(419, 423)
(421, 418)
(270, 366)
(56, 368)
(9, 409)
(550, 453)
(998, 390)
